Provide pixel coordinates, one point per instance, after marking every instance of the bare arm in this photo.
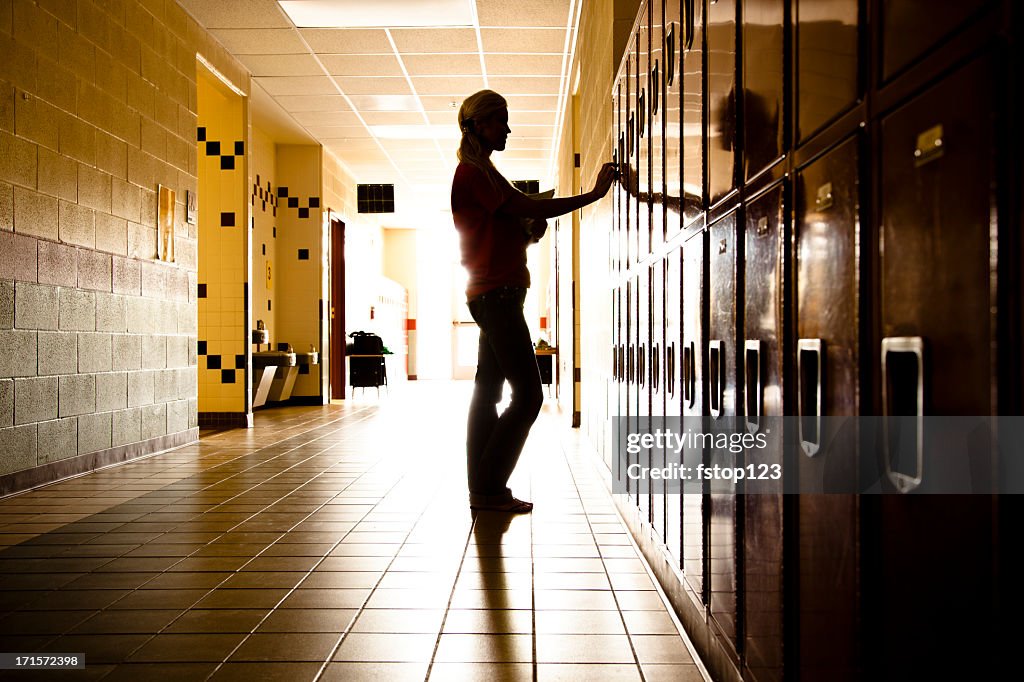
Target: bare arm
(523, 206)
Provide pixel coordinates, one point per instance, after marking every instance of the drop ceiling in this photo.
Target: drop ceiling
(381, 92)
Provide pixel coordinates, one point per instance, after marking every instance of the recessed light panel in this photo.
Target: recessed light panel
(363, 14)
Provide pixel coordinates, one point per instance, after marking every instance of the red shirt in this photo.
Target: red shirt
(493, 243)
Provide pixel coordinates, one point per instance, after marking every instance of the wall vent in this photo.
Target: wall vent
(527, 186)
(375, 198)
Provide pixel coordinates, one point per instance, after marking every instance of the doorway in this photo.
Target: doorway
(337, 333)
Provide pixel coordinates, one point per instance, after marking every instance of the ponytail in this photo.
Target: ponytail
(476, 107)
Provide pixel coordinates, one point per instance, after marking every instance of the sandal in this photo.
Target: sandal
(502, 503)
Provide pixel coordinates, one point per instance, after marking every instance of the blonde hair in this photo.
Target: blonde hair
(478, 106)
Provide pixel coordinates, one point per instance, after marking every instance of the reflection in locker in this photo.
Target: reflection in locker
(817, 227)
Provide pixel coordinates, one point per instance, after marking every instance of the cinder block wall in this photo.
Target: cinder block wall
(97, 337)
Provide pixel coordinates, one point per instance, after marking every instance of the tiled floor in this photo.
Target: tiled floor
(335, 543)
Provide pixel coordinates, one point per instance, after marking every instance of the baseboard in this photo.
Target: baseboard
(73, 466)
(221, 420)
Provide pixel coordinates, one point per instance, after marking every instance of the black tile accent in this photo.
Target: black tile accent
(275, 211)
(227, 219)
(303, 369)
(212, 362)
(268, 304)
(239, 148)
(257, 178)
(303, 212)
(293, 202)
(282, 191)
(264, 207)
(245, 295)
(275, 229)
(303, 254)
(314, 202)
(201, 347)
(227, 376)
(227, 163)
(201, 134)
(264, 249)
(213, 148)
(202, 291)
(239, 362)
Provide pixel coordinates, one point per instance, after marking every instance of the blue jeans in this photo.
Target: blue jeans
(493, 442)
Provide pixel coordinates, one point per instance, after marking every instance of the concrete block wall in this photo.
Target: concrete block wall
(97, 109)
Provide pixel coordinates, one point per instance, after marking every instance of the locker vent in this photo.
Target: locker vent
(527, 186)
(375, 198)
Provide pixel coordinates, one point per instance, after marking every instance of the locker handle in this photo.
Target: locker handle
(809, 368)
(656, 368)
(753, 384)
(630, 363)
(670, 54)
(902, 393)
(670, 361)
(615, 362)
(641, 365)
(655, 88)
(641, 108)
(716, 373)
(631, 133)
(689, 375)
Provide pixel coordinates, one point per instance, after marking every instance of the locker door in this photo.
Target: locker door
(673, 46)
(763, 67)
(643, 387)
(611, 455)
(673, 391)
(937, 265)
(632, 391)
(721, 132)
(656, 78)
(658, 366)
(721, 384)
(618, 156)
(763, 388)
(826, 62)
(624, 368)
(692, 135)
(693, 370)
(912, 27)
(827, 234)
(644, 100)
(629, 245)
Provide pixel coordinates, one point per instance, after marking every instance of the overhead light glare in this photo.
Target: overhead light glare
(415, 132)
(378, 13)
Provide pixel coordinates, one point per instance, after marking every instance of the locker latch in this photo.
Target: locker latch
(762, 226)
(723, 246)
(929, 146)
(824, 198)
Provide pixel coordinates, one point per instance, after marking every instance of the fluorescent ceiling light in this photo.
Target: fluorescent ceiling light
(385, 102)
(378, 13)
(416, 132)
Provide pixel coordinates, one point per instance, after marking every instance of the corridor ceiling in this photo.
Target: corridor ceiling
(379, 82)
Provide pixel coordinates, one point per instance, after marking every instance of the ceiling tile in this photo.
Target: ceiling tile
(347, 40)
(354, 144)
(444, 85)
(442, 64)
(297, 85)
(237, 14)
(260, 41)
(443, 118)
(392, 118)
(433, 40)
(327, 118)
(523, 12)
(385, 102)
(281, 64)
(519, 118)
(524, 64)
(362, 65)
(443, 103)
(550, 40)
(547, 132)
(296, 103)
(532, 102)
(352, 85)
(329, 132)
(525, 85)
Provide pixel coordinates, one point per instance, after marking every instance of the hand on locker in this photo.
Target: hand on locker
(609, 172)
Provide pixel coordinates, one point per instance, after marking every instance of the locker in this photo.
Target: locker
(937, 262)
(632, 161)
(692, 373)
(693, 133)
(643, 386)
(721, 84)
(673, 390)
(618, 190)
(656, 79)
(827, 234)
(763, 67)
(632, 387)
(722, 383)
(644, 101)
(673, 48)
(910, 28)
(826, 62)
(658, 366)
(763, 389)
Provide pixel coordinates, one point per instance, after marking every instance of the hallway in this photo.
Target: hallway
(335, 543)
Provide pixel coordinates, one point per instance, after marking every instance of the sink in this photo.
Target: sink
(273, 358)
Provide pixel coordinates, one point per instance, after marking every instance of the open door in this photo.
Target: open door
(337, 340)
